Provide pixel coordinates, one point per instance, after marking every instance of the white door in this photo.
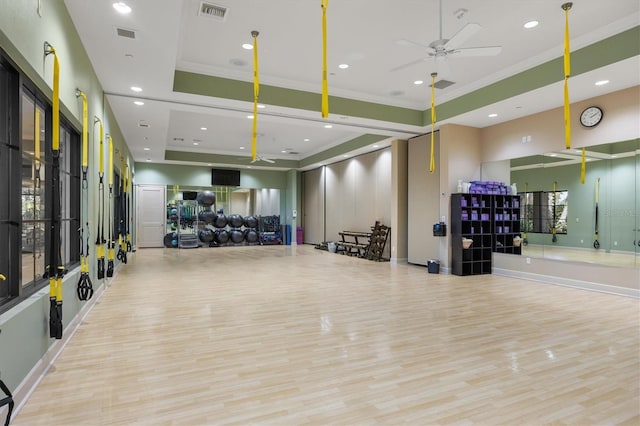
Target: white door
(152, 208)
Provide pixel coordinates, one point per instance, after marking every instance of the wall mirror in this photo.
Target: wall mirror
(565, 220)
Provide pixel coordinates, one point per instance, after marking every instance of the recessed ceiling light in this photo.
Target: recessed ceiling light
(553, 155)
(614, 156)
(493, 115)
(203, 128)
(148, 160)
(531, 24)
(579, 151)
(602, 82)
(248, 167)
(343, 66)
(139, 103)
(122, 7)
(345, 156)
(306, 139)
(588, 159)
(209, 164)
(284, 151)
(147, 149)
(242, 147)
(136, 89)
(250, 116)
(328, 126)
(247, 46)
(261, 106)
(196, 143)
(418, 82)
(375, 146)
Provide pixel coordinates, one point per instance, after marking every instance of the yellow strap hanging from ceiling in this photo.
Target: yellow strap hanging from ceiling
(55, 141)
(432, 161)
(85, 131)
(324, 4)
(256, 94)
(583, 166)
(110, 160)
(567, 73)
(101, 147)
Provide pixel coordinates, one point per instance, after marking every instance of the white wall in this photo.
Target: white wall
(313, 206)
(268, 202)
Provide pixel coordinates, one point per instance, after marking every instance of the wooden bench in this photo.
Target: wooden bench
(352, 243)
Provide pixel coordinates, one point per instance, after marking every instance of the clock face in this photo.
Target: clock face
(591, 116)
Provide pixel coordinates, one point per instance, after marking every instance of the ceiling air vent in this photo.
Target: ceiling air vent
(143, 125)
(443, 84)
(211, 10)
(122, 32)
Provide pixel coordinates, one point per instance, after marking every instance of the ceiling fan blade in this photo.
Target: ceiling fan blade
(257, 159)
(268, 160)
(462, 35)
(477, 51)
(410, 64)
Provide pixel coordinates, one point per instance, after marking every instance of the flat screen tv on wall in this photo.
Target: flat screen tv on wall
(225, 177)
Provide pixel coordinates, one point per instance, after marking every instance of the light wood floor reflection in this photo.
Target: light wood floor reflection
(296, 336)
(589, 255)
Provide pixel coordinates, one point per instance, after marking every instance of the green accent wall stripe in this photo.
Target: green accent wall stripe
(610, 50)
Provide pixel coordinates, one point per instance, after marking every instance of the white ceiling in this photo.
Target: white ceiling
(369, 35)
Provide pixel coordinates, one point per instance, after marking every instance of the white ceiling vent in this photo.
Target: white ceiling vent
(123, 32)
(213, 11)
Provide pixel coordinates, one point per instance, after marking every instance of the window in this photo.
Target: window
(544, 211)
(25, 187)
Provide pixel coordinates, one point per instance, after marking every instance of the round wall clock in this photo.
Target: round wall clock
(591, 116)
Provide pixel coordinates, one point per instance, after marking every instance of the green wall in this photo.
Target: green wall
(24, 334)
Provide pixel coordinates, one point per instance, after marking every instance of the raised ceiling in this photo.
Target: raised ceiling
(194, 73)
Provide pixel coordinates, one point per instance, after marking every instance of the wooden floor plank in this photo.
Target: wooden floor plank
(294, 335)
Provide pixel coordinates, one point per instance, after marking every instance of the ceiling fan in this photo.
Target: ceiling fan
(262, 158)
(443, 48)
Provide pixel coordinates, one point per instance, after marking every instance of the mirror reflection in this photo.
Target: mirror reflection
(567, 220)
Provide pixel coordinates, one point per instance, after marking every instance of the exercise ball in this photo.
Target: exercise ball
(206, 216)
(251, 235)
(206, 198)
(235, 221)
(220, 221)
(222, 236)
(237, 236)
(206, 235)
(250, 222)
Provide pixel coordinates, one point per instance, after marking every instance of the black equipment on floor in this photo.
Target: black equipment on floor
(8, 400)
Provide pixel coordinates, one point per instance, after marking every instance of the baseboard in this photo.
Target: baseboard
(399, 260)
(567, 282)
(29, 384)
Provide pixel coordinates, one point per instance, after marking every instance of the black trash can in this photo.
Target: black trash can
(433, 265)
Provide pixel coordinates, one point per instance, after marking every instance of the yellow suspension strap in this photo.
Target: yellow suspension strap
(583, 166)
(55, 270)
(554, 238)
(128, 200)
(85, 286)
(122, 243)
(432, 160)
(111, 244)
(567, 73)
(256, 94)
(525, 241)
(324, 4)
(100, 241)
(596, 243)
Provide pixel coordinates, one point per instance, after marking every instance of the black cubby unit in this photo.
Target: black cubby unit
(471, 219)
(506, 223)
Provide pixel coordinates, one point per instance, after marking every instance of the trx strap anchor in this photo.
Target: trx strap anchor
(8, 400)
(55, 270)
(85, 286)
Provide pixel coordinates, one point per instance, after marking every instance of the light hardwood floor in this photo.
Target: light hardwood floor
(294, 336)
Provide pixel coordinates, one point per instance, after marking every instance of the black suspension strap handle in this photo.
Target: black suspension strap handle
(122, 233)
(128, 217)
(8, 400)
